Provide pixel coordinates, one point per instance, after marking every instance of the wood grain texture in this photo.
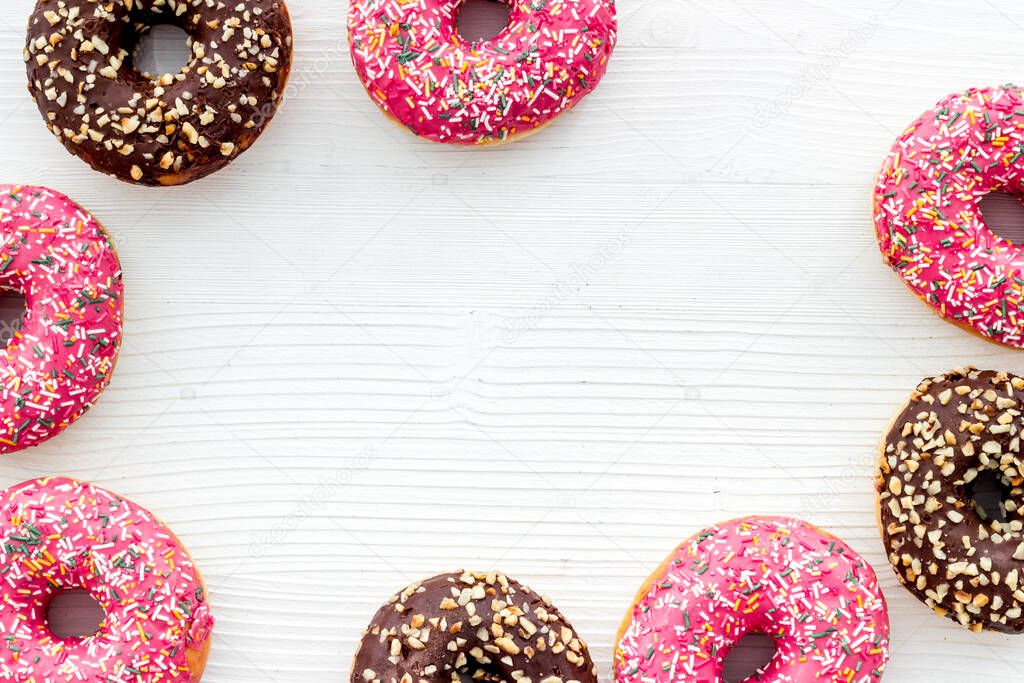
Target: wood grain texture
(354, 358)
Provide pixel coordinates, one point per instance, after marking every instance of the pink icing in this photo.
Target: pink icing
(777, 576)
(60, 259)
(62, 534)
(928, 217)
(415, 66)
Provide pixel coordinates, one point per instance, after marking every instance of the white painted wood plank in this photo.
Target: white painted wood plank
(559, 357)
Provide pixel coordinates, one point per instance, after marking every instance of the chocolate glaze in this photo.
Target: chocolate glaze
(944, 548)
(157, 130)
(471, 626)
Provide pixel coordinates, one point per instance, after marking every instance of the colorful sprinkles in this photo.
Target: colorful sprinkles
(417, 68)
(964, 561)
(56, 365)
(928, 217)
(814, 596)
(61, 534)
(471, 626)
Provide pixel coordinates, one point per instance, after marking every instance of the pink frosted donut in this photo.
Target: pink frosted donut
(928, 218)
(60, 259)
(418, 70)
(776, 576)
(59, 534)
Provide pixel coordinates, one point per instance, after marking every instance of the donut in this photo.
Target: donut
(471, 626)
(815, 597)
(168, 129)
(927, 210)
(59, 534)
(421, 73)
(56, 365)
(955, 431)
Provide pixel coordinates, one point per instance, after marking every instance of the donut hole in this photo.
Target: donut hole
(161, 49)
(74, 613)
(13, 311)
(989, 493)
(1004, 215)
(481, 20)
(748, 658)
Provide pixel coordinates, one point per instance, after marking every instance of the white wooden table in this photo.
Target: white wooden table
(354, 358)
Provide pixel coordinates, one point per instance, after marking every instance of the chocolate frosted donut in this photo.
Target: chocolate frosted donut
(471, 626)
(157, 130)
(960, 433)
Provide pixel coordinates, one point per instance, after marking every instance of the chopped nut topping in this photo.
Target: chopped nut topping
(515, 636)
(150, 133)
(959, 556)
